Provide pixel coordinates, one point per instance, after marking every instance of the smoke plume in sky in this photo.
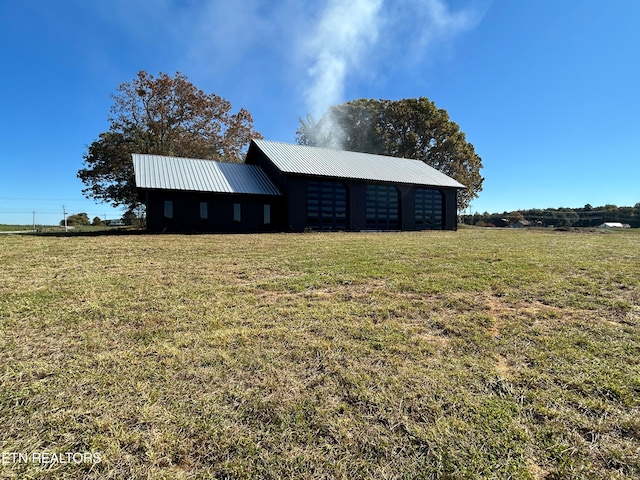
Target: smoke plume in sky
(318, 52)
(345, 32)
(356, 36)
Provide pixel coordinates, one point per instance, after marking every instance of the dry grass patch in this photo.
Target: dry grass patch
(470, 354)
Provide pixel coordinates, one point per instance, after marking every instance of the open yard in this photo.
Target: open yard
(469, 354)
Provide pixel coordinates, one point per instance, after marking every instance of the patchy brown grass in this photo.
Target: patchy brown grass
(470, 354)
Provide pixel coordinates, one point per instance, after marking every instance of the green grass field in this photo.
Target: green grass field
(15, 228)
(469, 354)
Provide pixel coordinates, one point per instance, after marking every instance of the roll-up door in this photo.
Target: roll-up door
(382, 207)
(326, 205)
(428, 203)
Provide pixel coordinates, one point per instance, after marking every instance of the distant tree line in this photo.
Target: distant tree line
(77, 220)
(587, 216)
(130, 219)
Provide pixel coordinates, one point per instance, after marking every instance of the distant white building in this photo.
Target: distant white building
(615, 225)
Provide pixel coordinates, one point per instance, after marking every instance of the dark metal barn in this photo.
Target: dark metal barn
(285, 187)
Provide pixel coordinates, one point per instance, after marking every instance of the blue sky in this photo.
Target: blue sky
(547, 91)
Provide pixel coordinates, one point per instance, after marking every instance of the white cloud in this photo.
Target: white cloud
(428, 24)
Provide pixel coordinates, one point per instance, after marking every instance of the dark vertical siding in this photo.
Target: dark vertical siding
(153, 212)
(406, 207)
(357, 206)
(450, 206)
(186, 212)
(296, 201)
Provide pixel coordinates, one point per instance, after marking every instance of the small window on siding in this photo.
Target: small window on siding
(168, 209)
(237, 213)
(267, 214)
(204, 211)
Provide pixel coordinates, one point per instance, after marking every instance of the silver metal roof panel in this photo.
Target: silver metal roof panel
(192, 174)
(327, 162)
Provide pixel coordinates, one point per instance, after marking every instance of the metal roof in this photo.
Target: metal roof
(327, 162)
(196, 175)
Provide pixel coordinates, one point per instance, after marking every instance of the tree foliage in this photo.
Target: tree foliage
(409, 128)
(133, 218)
(163, 116)
(77, 220)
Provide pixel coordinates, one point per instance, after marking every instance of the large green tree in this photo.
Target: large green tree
(77, 220)
(409, 128)
(163, 116)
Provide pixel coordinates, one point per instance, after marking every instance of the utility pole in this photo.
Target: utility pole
(34, 220)
(64, 212)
